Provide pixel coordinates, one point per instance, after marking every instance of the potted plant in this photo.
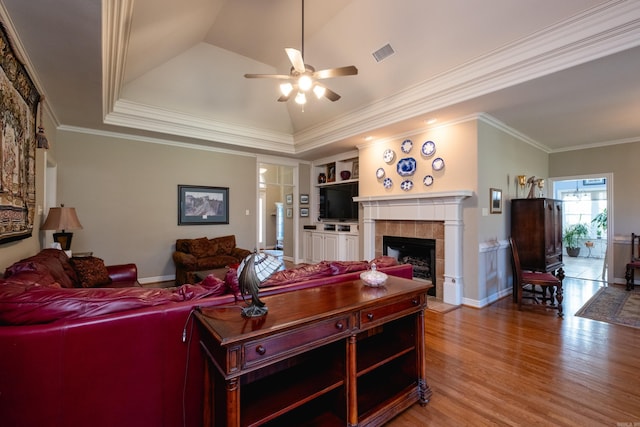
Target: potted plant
(571, 238)
(600, 222)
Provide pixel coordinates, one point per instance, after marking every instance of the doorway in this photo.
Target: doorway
(586, 207)
(276, 222)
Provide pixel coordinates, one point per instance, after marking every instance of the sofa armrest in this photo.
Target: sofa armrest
(184, 259)
(123, 272)
(240, 253)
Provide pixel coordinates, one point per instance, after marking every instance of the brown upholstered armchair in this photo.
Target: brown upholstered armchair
(193, 255)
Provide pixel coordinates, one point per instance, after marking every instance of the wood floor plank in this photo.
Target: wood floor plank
(498, 366)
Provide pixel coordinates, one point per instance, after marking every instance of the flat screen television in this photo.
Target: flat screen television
(336, 202)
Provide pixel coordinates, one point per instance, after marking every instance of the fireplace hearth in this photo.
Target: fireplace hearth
(420, 253)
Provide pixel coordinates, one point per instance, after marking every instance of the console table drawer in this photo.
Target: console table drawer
(385, 312)
(287, 342)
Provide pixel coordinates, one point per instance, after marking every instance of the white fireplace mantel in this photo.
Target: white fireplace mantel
(443, 206)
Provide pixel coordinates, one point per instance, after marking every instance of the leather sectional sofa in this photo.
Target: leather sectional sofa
(118, 356)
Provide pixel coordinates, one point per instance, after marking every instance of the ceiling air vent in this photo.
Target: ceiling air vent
(383, 53)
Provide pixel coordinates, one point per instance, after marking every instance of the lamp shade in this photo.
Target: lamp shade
(62, 218)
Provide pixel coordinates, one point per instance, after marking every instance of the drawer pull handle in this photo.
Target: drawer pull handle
(340, 326)
(370, 316)
(415, 301)
(261, 350)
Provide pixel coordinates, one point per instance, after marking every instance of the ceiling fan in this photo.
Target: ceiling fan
(304, 78)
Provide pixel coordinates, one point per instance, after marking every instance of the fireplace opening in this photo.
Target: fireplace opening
(420, 253)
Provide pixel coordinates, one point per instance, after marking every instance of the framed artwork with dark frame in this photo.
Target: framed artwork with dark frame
(304, 212)
(304, 199)
(495, 201)
(199, 205)
(289, 199)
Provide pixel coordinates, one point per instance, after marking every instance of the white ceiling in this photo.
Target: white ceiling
(561, 74)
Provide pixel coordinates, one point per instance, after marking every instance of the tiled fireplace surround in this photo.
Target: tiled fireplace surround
(426, 215)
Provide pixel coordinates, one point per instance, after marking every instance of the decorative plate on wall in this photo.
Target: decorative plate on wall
(387, 183)
(380, 173)
(438, 164)
(406, 146)
(388, 155)
(427, 180)
(406, 185)
(428, 148)
(406, 166)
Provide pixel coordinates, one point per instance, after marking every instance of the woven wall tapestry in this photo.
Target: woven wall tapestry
(18, 107)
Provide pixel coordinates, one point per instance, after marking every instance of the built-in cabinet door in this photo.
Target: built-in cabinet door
(352, 246)
(317, 247)
(331, 247)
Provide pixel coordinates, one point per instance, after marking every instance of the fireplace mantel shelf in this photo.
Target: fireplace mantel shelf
(435, 197)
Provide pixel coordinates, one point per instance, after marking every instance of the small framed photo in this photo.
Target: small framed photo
(304, 199)
(199, 205)
(304, 212)
(331, 172)
(289, 199)
(355, 169)
(289, 212)
(495, 200)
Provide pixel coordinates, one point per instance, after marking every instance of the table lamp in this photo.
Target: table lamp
(62, 218)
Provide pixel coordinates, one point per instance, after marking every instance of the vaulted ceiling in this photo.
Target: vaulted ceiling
(560, 74)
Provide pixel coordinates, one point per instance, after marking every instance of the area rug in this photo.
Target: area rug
(613, 304)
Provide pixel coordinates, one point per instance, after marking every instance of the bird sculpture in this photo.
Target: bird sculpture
(253, 270)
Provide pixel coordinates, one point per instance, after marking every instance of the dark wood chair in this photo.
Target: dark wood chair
(635, 261)
(550, 293)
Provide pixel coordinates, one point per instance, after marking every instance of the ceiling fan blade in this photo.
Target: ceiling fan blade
(268, 76)
(336, 72)
(331, 95)
(296, 59)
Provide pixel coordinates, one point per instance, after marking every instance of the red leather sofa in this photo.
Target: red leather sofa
(139, 365)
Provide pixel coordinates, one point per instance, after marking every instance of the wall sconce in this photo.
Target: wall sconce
(41, 138)
(522, 181)
(62, 219)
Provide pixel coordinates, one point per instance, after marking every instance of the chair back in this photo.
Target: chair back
(635, 247)
(517, 271)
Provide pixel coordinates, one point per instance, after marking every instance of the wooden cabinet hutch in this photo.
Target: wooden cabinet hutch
(536, 227)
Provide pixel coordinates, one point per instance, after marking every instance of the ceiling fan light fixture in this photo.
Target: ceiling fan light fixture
(319, 91)
(305, 82)
(301, 98)
(286, 88)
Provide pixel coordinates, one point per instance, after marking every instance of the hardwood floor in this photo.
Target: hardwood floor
(502, 367)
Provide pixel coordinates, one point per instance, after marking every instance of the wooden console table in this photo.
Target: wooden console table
(335, 355)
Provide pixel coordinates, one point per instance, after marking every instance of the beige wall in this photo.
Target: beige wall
(125, 193)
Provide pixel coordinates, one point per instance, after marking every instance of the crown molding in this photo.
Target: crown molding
(131, 114)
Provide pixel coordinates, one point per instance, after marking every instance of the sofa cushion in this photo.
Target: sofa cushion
(225, 244)
(25, 305)
(199, 247)
(91, 272)
(341, 267)
(52, 265)
(305, 272)
(215, 261)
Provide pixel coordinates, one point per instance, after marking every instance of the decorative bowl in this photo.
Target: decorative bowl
(345, 175)
(373, 278)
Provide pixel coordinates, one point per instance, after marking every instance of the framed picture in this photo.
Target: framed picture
(304, 199)
(289, 199)
(495, 201)
(203, 205)
(331, 172)
(355, 169)
(289, 212)
(304, 212)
